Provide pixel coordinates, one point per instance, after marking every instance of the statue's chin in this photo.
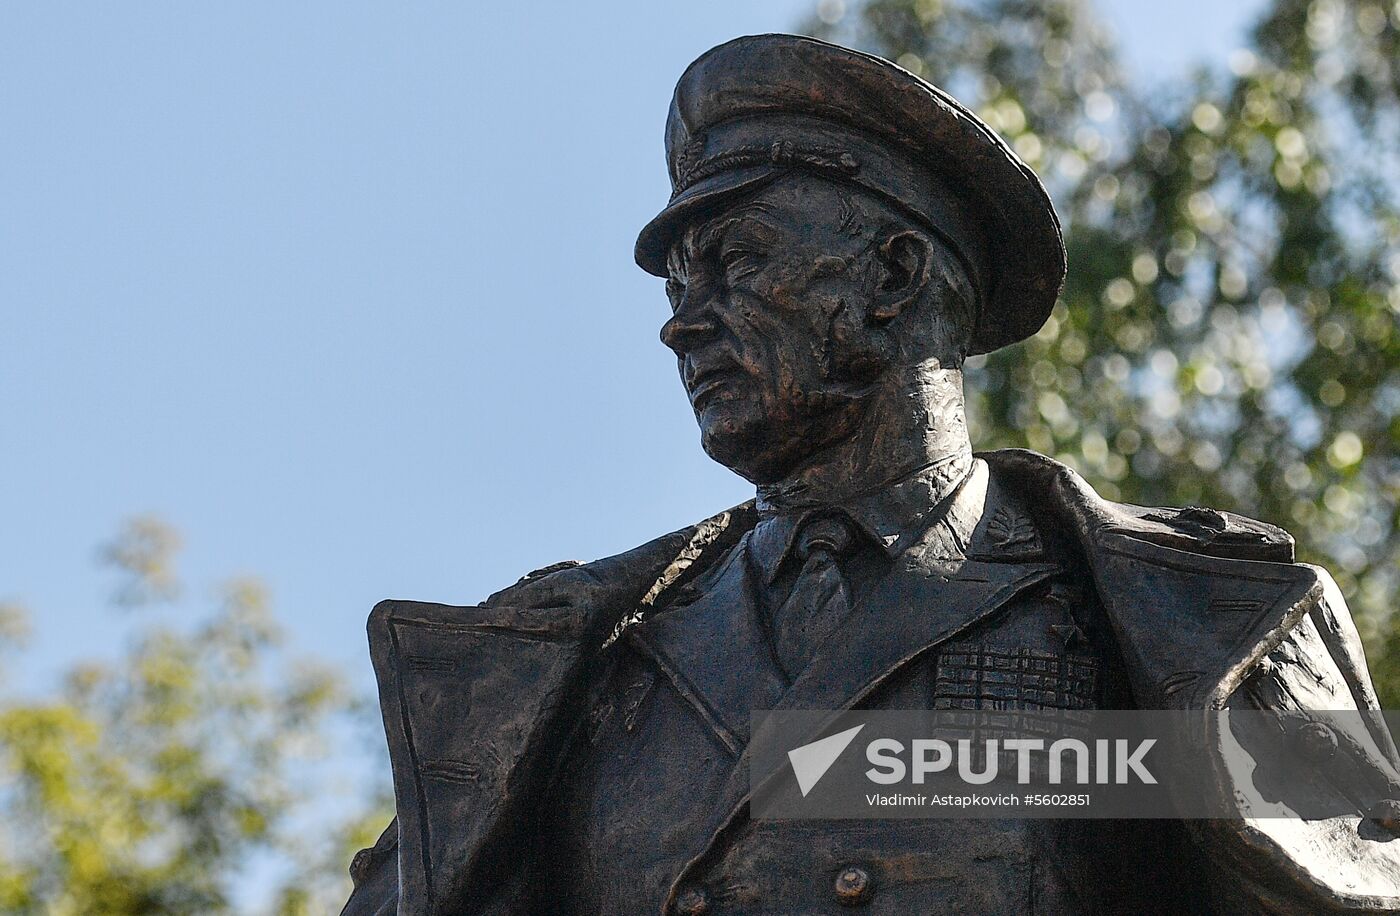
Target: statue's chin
(763, 451)
(745, 452)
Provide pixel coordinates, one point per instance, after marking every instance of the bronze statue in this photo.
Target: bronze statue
(841, 236)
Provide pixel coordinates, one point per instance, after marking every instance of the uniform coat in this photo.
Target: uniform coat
(537, 771)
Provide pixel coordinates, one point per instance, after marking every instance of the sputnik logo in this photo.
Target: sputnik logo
(811, 761)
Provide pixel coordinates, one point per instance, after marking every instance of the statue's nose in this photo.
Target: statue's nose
(692, 324)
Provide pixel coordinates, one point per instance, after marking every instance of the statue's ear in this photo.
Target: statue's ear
(906, 262)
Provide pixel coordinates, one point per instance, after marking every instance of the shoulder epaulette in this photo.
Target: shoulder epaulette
(1194, 529)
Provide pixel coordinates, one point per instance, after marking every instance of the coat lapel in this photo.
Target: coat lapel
(503, 671)
(475, 701)
(1196, 598)
(716, 650)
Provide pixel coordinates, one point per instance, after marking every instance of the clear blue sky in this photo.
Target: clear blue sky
(345, 292)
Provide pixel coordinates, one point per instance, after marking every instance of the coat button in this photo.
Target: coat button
(1316, 742)
(693, 901)
(853, 886)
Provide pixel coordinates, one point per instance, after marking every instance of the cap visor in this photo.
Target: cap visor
(700, 199)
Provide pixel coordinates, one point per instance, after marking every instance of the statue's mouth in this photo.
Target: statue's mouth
(710, 384)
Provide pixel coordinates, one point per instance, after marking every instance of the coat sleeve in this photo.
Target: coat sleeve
(1327, 837)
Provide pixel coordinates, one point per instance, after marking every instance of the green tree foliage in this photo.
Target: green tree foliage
(148, 784)
(1228, 335)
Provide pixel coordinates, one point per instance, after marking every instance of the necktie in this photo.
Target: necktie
(820, 598)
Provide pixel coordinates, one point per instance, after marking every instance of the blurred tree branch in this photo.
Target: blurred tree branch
(148, 783)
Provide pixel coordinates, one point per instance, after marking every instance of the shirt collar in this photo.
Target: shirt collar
(892, 515)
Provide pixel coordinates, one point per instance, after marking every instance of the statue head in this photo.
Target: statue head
(835, 223)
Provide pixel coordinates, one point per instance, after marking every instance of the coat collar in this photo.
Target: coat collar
(892, 516)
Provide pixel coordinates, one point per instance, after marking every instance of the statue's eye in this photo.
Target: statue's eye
(739, 259)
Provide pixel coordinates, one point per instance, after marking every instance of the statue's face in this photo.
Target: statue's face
(774, 303)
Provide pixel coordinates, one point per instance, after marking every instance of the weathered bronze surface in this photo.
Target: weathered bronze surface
(841, 236)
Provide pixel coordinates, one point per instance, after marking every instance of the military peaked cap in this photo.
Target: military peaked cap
(761, 106)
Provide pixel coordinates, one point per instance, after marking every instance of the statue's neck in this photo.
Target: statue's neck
(915, 418)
